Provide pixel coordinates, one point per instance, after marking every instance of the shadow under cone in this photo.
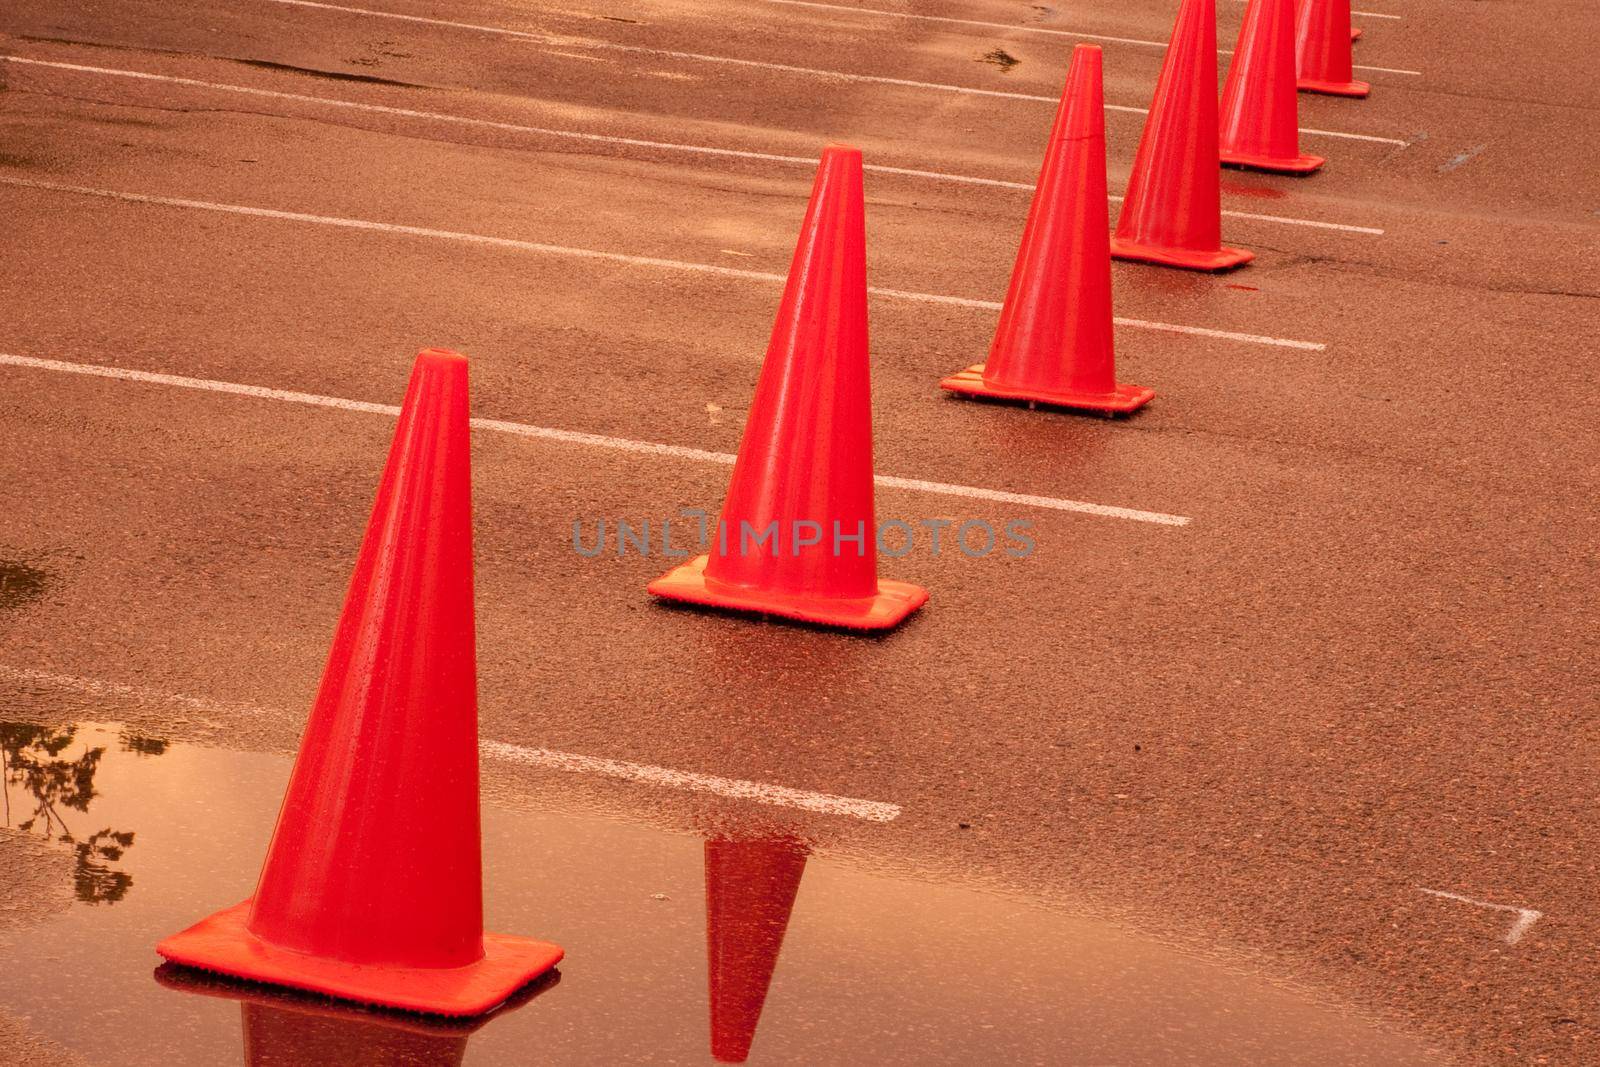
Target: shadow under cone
(750, 891)
(1322, 49)
(1172, 214)
(372, 886)
(1260, 125)
(797, 536)
(1054, 341)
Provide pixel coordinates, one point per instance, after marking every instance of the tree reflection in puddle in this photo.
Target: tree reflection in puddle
(52, 783)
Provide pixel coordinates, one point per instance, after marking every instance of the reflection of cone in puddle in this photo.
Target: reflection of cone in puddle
(288, 1029)
(286, 1037)
(750, 890)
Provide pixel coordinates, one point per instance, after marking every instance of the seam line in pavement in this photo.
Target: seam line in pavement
(665, 777)
(878, 79)
(579, 135)
(619, 444)
(614, 257)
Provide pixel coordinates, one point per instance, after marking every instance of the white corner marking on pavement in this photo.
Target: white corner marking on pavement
(1526, 917)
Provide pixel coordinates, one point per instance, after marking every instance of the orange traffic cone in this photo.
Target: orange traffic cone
(1053, 344)
(1322, 49)
(1355, 35)
(797, 536)
(750, 891)
(1172, 214)
(372, 887)
(1260, 112)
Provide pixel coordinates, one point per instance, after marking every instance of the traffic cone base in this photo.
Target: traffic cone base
(1350, 88)
(893, 602)
(224, 944)
(1292, 165)
(1224, 258)
(1120, 401)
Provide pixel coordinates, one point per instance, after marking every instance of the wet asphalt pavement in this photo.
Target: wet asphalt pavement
(1362, 669)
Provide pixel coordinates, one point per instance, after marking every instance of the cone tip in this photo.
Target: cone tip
(1085, 62)
(836, 149)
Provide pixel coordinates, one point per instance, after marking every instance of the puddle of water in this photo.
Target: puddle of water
(679, 950)
(20, 583)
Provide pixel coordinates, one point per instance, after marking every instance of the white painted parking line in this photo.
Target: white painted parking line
(1526, 917)
(699, 57)
(663, 777)
(1387, 70)
(1356, 66)
(1355, 136)
(613, 257)
(573, 437)
(1362, 14)
(732, 788)
(1014, 27)
(632, 142)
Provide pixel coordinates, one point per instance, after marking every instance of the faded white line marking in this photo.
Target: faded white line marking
(439, 116)
(1461, 158)
(1013, 27)
(1526, 917)
(140, 694)
(573, 437)
(699, 57)
(1363, 14)
(970, 22)
(613, 257)
(664, 777)
(1388, 70)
